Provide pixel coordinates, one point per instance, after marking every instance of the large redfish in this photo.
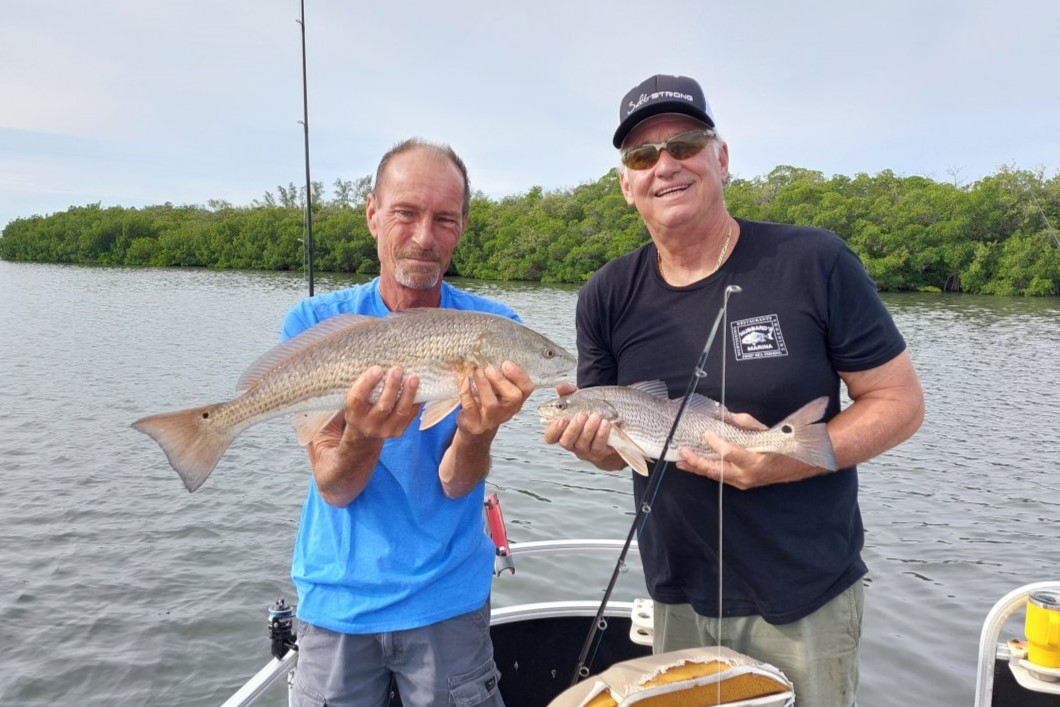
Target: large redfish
(311, 373)
(641, 416)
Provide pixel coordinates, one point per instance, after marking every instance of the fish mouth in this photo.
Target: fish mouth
(563, 376)
(546, 413)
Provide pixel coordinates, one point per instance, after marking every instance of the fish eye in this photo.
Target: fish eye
(550, 353)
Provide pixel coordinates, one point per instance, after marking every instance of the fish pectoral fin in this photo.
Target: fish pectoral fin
(629, 450)
(307, 425)
(637, 462)
(436, 411)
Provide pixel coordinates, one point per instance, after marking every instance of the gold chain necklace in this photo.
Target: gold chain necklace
(721, 255)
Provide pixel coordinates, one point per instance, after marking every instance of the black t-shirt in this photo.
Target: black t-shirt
(807, 309)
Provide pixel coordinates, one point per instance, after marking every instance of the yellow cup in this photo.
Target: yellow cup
(1043, 628)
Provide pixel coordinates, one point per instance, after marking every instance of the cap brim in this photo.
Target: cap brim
(635, 118)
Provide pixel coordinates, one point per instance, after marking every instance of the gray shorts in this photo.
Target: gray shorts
(819, 653)
(447, 663)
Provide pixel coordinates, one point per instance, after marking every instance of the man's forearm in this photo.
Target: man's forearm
(343, 465)
(466, 462)
(888, 408)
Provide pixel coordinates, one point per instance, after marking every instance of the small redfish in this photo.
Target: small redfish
(641, 416)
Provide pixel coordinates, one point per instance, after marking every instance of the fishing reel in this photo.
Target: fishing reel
(281, 629)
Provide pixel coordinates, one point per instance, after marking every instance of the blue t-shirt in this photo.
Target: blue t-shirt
(401, 555)
(807, 310)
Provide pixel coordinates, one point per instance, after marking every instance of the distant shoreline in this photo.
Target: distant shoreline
(913, 234)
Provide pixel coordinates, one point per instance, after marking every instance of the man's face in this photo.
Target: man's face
(674, 193)
(416, 217)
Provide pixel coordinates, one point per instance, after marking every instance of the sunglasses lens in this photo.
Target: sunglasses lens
(683, 149)
(641, 157)
(680, 147)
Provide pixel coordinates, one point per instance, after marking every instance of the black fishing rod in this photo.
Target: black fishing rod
(654, 482)
(308, 183)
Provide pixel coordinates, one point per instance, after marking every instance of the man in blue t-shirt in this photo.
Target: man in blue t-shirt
(807, 318)
(391, 563)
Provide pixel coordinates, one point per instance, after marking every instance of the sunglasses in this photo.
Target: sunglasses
(680, 147)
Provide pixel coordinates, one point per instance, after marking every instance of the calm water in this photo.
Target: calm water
(119, 587)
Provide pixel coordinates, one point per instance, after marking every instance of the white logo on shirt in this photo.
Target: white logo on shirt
(758, 337)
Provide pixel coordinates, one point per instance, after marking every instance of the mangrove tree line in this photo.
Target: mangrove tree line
(913, 233)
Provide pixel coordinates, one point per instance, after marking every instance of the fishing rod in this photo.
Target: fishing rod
(581, 670)
(308, 183)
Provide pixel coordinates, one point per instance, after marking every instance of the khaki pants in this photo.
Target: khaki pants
(819, 653)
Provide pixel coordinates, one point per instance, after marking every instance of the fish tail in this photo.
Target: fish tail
(814, 446)
(812, 443)
(192, 441)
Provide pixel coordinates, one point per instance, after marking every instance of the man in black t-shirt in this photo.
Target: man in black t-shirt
(807, 318)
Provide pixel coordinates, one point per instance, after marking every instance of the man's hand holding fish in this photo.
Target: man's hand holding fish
(583, 434)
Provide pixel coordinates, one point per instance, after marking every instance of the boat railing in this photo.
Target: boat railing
(255, 688)
(991, 649)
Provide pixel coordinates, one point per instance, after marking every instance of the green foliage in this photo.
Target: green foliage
(912, 233)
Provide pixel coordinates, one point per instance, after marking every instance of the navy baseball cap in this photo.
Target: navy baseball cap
(660, 94)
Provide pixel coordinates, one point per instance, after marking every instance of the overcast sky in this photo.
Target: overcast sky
(134, 102)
